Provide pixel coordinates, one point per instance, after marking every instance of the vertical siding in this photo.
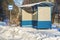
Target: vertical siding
(44, 17)
(26, 19)
(26, 15)
(44, 14)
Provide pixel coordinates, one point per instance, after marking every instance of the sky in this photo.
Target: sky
(18, 2)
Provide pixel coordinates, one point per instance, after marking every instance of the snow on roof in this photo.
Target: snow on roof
(29, 5)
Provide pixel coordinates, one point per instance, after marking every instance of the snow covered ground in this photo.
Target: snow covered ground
(18, 33)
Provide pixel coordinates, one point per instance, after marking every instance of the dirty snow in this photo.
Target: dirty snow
(18, 33)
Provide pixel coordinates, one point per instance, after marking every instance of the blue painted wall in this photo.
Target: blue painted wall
(44, 24)
(27, 23)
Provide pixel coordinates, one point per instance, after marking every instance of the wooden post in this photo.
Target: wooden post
(10, 17)
(19, 13)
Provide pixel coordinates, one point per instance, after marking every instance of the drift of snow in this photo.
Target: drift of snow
(18, 33)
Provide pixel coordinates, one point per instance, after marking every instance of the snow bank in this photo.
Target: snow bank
(18, 33)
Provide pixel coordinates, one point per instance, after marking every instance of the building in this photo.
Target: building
(28, 10)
